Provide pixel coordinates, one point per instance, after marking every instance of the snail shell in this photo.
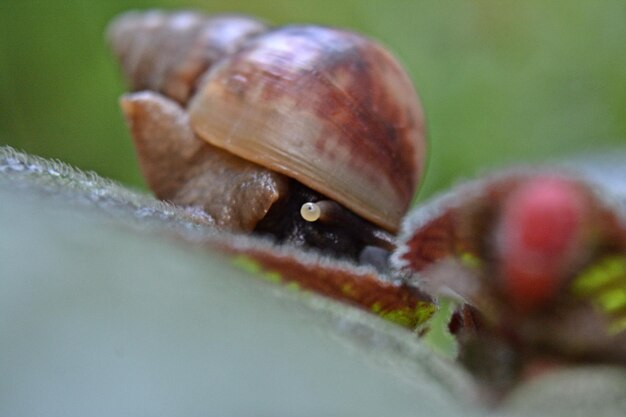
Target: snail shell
(326, 107)
(168, 52)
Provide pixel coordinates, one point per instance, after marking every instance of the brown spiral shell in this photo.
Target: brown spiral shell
(330, 108)
(168, 52)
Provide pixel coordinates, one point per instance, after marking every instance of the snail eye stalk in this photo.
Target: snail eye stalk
(310, 212)
(328, 212)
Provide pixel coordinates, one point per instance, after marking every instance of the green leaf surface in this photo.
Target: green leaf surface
(106, 311)
(438, 337)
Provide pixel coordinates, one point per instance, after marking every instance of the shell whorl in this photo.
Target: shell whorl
(169, 52)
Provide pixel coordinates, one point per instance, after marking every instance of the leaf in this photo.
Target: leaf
(583, 391)
(438, 337)
(111, 304)
(360, 286)
(106, 310)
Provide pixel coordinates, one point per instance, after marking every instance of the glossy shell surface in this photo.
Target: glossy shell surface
(330, 108)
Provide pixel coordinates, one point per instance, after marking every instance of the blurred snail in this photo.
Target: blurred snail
(311, 134)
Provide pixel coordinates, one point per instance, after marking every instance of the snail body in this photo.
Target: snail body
(312, 113)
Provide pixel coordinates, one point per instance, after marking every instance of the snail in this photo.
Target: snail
(310, 134)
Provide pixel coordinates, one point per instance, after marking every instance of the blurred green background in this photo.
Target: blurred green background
(501, 81)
